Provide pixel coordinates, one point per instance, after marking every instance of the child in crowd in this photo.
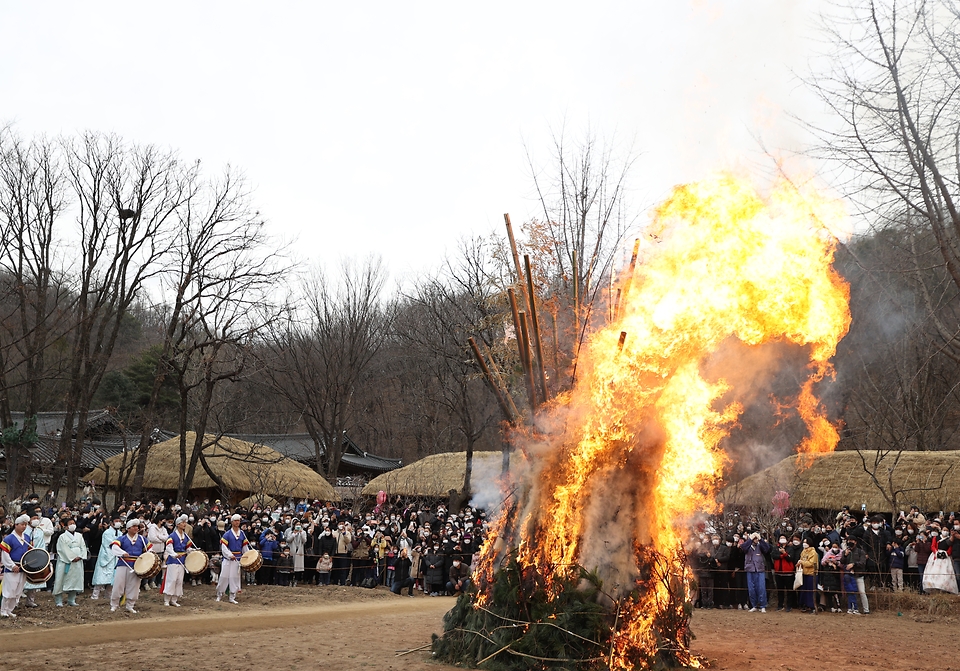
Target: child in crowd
(284, 567)
(324, 566)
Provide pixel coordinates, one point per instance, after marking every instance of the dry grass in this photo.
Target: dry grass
(243, 467)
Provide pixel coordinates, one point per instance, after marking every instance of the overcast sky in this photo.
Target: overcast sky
(397, 128)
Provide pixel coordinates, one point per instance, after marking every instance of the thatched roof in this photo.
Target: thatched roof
(435, 475)
(831, 481)
(243, 467)
(259, 500)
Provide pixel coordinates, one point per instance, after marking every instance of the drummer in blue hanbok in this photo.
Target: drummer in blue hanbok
(232, 546)
(12, 549)
(177, 547)
(125, 581)
(71, 551)
(106, 563)
(39, 534)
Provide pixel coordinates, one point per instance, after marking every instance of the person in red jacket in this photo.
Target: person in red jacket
(783, 574)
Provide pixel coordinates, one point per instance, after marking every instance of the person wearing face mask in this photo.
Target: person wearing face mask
(754, 549)
(952, 546)
(341, 560)
(874, 539)
(738, 579)
(106, 563)
(721, 576)
(38, 540)
(783, 575)
(810, 564)
(830, 570)
(459, 578)
(126, 583)
(296, 539)
(71, 551)
(157, 535)
(433, 570)
(706, 570)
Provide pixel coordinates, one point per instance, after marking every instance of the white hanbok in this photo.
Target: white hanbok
(69, 577)
(939, 574)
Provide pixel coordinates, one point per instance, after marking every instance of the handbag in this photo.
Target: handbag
(798, 577)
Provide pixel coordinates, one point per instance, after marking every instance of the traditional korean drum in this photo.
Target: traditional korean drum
(251, 561)
(35, 565)
(196, 562)
(147, 565)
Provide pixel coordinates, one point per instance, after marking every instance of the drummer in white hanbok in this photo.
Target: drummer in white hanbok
(39, 532)
(232, 546)
(71, 551)
(125, 581)
(106, 563)
(12, 549)
(177, 547)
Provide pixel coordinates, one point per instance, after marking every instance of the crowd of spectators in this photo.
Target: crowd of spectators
(746, 563)
(417, 546)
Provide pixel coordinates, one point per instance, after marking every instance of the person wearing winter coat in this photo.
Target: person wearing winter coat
(854, 568)
(783, 575)
(269, 552)
(296, 539)
(810, 564)
(324, 567)
(459, 577)
(754, 549)
(433, 571)
(721, 576)
(830, 570)
(402, 576)
(895, 557)
(284, 567)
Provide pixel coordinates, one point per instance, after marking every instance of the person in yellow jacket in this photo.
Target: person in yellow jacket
(809, 562)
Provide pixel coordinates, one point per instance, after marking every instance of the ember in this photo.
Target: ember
(619, 467)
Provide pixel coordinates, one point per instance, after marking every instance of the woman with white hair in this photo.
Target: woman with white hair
(12, 549)
(177, 547)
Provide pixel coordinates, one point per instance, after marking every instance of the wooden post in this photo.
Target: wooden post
(516, 257)
(623, 339)
(538, 343)
(531, 387)
(524, 362)
(494, 387)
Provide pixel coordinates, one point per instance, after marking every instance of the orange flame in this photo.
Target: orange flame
(638, 444)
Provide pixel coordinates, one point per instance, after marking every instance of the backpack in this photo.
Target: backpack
(368, 583)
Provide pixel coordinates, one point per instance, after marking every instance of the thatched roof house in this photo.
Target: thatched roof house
(436, 475)
(930, 480)
(259, 500)
(243, 467)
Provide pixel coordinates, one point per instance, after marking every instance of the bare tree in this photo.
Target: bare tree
(438, 317)
(586, 217)
(125, 200)
(892, 81)
(321, 355)
(32, 198)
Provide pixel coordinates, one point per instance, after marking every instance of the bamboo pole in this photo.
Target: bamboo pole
(537, 341)
(524, 362)
(516, 257)
(491, 382)
(531, 387)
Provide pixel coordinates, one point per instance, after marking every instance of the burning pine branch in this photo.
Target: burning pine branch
(618, 468)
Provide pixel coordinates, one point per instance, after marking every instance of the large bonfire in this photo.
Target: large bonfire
(619, 468)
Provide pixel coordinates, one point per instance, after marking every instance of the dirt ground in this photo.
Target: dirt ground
(351, 629)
